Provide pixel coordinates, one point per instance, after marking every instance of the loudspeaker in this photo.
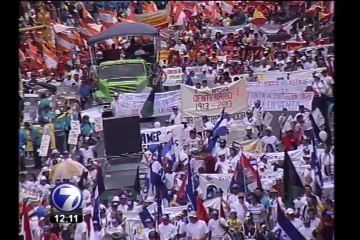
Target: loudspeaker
(122, 135)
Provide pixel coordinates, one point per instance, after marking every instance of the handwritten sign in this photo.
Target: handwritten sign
(173, 76)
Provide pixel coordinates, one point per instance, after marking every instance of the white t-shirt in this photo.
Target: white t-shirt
(315, 222)
(240, 211)
(258, 115)
(145, 233)
(73, 72)
(232, 198)
(327, 159)
(216, 230)
(297, 223)
(196, 230)
(257, 211)
(319, 87)
(69, 83)
(180, 228)
(309, 66)
(224, 166)
(263, 69)
(210, 78)
(209, 125)
(307, 232)
(218, 151)
(87, 153)
(272, 140)
(167, 231)
(176, 118)
(287, 125)
(181, 48)
(79, 230)
(249, 122)
(192, 143)
(115, 107)
(307, 122)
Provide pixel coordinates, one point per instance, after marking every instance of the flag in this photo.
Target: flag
(137, 187)
(148, 107)
(157, 177)
(239, 178)
(96, 210)
(258, 18)
(100, 180)
(25, 227)
(82, 181)
(218, 130)
(107, 18)
(51, 60)
(149, 7)
(318, 118)
(312, 9)
(145, 214)
(292, 185)
(169, 151)
(251, 175)
(323, 16)
(180, 194)
(285, 224)
(219, 45)
(129, 15)
(251, 145)
(178, 14)
(89, 30)
(194, 202)
(315, 165)
(86, 16)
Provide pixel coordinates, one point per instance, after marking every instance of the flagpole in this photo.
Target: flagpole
(243, 173)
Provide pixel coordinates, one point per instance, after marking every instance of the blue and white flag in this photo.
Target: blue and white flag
(315, 165)
(169, 152)
(190, 190)
(218, 130)
(219, 45)
(96, 210)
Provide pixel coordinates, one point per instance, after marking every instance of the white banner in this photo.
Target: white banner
(98, 123)
(218, 180)
(173, 76)
(130, 104)
(92, 113)
(198, 70)
(268, 118)
(195, 102)
(279, 76)
(278, 101)
(75, 126)
(163, 134)
(278, 86)
(73, 138)
(44, 147)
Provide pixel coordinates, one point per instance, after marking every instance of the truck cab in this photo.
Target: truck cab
(125, 76)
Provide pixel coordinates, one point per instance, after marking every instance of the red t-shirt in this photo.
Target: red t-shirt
(288, 142)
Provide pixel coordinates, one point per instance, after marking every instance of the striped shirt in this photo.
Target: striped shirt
(257, 211)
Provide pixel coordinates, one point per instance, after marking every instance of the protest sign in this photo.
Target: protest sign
(98, 124)
(73, 138)
(92, 113)
(173, 76)
(130, 104)
(198, 70)
(251, 145)
(218, 180)
(279, 86)
(75, 126)
(45, 142)
(280, 76)
(195, 102)
(278, 101)
(158, 19)
(31, 107)
(163, 134)
(268, 118)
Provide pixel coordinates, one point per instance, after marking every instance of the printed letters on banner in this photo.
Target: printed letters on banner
(280, 76)
(279, 86)
(278, 101)
(130, 104)
(198, 70)
(173, 76)
(161, 135)
(75, 126)
(196, 103)
(98, 124)
(73, 138)
(159, 19)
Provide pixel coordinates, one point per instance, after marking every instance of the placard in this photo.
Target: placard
(173, 76)
(73, 138)
(98, 124)
(75, 126)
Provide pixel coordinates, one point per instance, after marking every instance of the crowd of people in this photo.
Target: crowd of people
(239, 212)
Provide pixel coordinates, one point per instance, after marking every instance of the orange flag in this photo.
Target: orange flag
(258, 18)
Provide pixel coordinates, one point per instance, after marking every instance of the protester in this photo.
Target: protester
(216, 45)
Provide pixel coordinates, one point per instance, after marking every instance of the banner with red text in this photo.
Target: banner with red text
(197, 102)
(159, 19)
(173, 76)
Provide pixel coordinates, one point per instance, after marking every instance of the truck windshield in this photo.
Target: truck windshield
(122, 71)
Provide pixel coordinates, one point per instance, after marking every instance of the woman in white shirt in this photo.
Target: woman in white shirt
(269, 139)
(319, 86)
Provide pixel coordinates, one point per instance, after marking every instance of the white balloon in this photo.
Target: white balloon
(157, 125)
(323, 135)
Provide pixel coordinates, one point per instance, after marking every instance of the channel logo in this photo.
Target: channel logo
(66, 197)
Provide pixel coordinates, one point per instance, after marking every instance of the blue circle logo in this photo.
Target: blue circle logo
(66, 197)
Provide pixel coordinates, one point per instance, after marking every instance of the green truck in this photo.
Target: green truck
(123, 76)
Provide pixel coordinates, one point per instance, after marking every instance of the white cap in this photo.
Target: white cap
(57, 112)
(116, 94)
(54, 151)
(116, 199)
(182, 156)
(303, 58)
(45, 169)
(289, 211)
(43, 178)
(263, 58)
(317, 75)
(249, 128)
(269, 128)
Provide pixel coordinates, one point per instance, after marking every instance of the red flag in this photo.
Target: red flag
(251, 174)
(258, 18)
(221, 210)
(26, 222)
(201, 210)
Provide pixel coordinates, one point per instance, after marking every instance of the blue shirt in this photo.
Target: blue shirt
(50, 115)
(59, 126)
(87, 128)
(22, 138)
(85, 90)
(43, 103)
(189, 81)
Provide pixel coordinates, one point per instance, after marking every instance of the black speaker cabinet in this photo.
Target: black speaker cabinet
(122, 135)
